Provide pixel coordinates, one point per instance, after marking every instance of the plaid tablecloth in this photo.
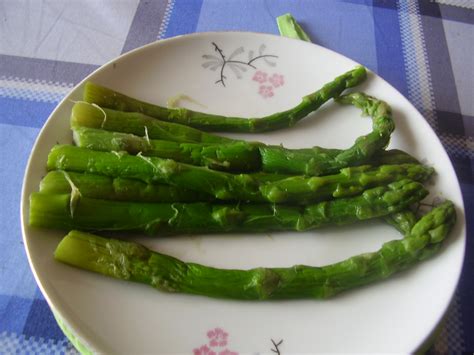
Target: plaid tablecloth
(424, 48)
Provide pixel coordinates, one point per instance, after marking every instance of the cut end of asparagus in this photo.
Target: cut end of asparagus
(87, 115)
(288, 27)
(98, 254)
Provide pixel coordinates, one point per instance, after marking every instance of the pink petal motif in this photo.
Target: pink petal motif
(276, 80)
(217, 337)
(228, 352)
(203, 350)
(266, 91)
(260, 77)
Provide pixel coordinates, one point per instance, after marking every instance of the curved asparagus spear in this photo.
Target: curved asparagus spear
(105, 97)
(131, 261)
(54, 211)
(226, 186)
(87, 115)
(313, 161)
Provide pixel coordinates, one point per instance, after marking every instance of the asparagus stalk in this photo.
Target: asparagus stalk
(105, 97)
(283, 189)
(87, 115)
(234, 156)
(109, 188)
(221, 185)
(314, 161)
(131, 261)
(238, 156)
(348, 182)
(54, 211)
(226, 186)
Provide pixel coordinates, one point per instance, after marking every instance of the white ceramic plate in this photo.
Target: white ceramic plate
(114, 316)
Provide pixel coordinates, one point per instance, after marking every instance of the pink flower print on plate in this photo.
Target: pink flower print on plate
(276, 80)
(228, 352)
(260, 76)
(217, 337)
(266, 91)
(204, 350)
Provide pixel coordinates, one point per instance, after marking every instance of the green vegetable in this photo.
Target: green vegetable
(226, 186)
(131, 261)
(235, 156)
(105, 97)
(238, 156)
(349, 182)
(318, 161)
(221, 185)
(103, 187)
(87, 115)
(288, 27)
(53, 211)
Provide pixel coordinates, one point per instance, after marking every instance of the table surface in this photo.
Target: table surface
(424, 49)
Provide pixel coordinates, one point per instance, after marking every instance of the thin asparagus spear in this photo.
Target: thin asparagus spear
(54, 211)
(226, 186)
(109, 188)
(87, 115)
(313, 161)
(134, 262)
(105, 97)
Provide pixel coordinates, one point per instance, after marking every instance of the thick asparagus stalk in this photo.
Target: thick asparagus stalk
(348, 182)
(131, 261)
(220, 185)
(294, 190)
(105, 97)
(235, 156)
(87, 115)
(109, 188)
(226, 186)
(54, 211)
(238, 156)
(313, 161)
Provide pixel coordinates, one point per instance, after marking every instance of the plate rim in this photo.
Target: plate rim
(61, 312)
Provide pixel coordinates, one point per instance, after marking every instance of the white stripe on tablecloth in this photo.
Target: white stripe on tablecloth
(166, 19)
(468, 4)
(34, 90)
(12, 343)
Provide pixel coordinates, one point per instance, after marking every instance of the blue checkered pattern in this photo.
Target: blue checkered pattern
(424, 48)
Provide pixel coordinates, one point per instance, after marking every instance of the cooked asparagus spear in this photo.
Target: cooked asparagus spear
(236, 156)
(348, 182)
(109, 188)
(54, 211)
(131, 261)
(226, 186)
(105, 97)
(313, 161)
(87, 115)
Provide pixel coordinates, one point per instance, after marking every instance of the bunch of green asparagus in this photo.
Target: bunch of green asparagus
(140, 167)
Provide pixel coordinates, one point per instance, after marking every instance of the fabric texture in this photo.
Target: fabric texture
(423, 48)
